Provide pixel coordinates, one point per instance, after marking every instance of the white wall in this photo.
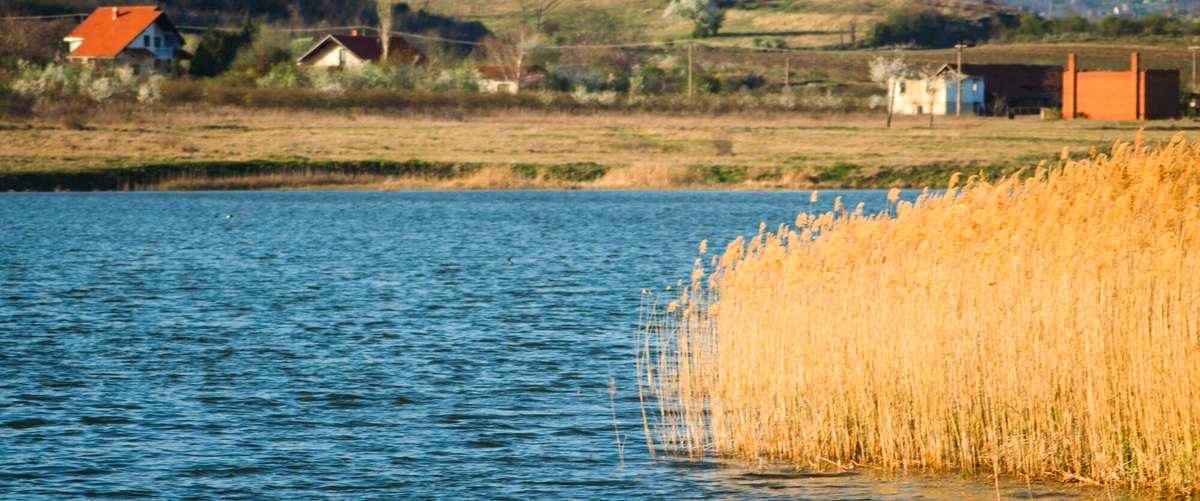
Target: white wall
(332, 55)
(919, 96)
(912, 96)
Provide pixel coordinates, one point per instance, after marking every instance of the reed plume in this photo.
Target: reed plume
(1038, 326)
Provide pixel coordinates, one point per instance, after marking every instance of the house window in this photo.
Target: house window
(157, 42)
(903, 88)
(146, 40)
(975, 87)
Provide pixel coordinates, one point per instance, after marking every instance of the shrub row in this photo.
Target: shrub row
(124, 177)
(185, 92)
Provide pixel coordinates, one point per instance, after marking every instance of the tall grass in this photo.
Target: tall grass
(1044, 326)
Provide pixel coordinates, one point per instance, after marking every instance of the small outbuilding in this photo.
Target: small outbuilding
(937, 94)
(355, 50)
(505, 79)
(139, 35)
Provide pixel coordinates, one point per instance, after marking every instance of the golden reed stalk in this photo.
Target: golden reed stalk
(1038, 327)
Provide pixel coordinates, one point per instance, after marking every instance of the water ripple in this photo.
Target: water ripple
(360, 345)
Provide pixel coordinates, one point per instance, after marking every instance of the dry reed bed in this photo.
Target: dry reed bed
(1039, 328)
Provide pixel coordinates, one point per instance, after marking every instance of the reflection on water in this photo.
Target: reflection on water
(358, 345)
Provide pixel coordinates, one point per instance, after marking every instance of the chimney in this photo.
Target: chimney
(115, 13)
(354, 32)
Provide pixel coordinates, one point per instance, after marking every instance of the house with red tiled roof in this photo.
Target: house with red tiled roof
(141, 35)
(354, 50)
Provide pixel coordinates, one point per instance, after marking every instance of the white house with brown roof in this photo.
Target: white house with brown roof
(354, 50)
(142, 35)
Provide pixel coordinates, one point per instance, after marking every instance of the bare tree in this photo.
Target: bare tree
(930, 79)
(535, 12)
(889, 71)
(384, 8)
(511, 53)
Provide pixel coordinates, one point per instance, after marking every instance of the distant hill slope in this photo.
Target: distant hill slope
(307, 11)
(791, 23)
(796, 23)
(1098, 8)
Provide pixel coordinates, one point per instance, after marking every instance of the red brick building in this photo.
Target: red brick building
(1135, 94)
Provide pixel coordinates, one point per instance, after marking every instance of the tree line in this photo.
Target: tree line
(930, 28)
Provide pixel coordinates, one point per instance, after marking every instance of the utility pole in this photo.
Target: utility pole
(787, 73)
(1194, 48)
(958, 81)
(690, 45)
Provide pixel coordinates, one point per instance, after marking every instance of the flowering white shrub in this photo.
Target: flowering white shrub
(883, 69)
(581, 95)
(55, 81)
(102, 89)
(151, 90)
(366, 77)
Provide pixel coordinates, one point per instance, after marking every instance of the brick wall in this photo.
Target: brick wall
(1119, 95)
(1107, 95)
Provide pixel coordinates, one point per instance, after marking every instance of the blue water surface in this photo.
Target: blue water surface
(358, 345)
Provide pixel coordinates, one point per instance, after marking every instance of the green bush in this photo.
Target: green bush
(284, 75)
(721, 174)
(655, 80)
(927, 27)
(576, 173)
(217, 50)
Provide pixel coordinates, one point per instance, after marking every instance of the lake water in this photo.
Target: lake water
(364, 345)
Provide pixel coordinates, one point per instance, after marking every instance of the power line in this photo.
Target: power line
(626, 45)
(35, 18)
(268, 28)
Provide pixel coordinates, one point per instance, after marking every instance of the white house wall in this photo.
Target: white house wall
(916, 100)
(912, 98)
(333, 55)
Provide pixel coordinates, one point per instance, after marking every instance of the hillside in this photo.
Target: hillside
(795, 23)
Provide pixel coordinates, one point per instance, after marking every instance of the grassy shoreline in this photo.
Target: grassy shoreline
(423, 175)
(230, 148)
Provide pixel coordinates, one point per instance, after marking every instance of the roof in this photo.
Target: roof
(105, 35)
(982, 70)
(363, 47)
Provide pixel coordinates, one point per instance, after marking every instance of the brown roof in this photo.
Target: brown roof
(367, 48)
(108, 30)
